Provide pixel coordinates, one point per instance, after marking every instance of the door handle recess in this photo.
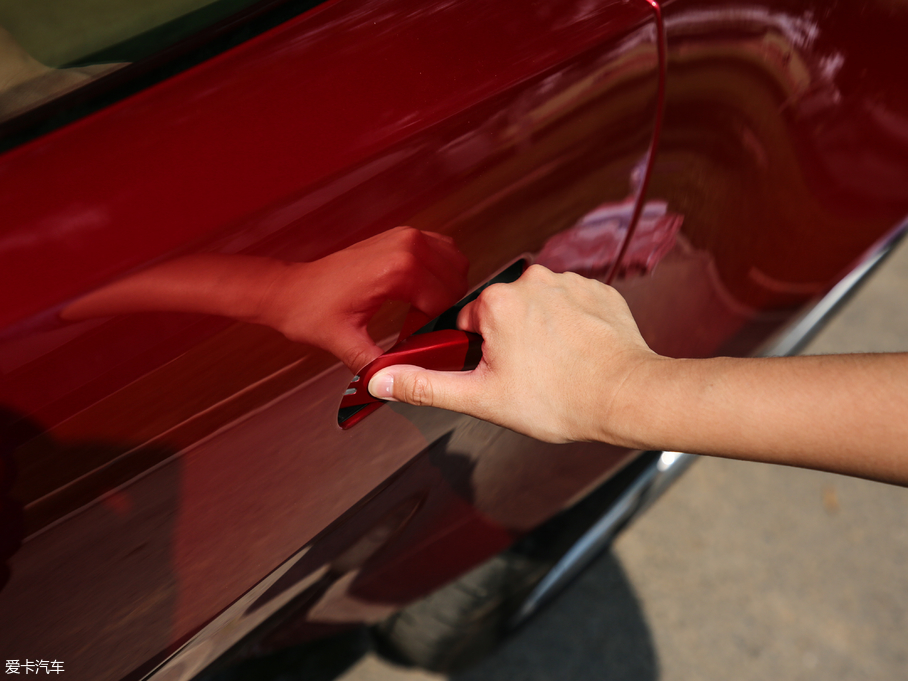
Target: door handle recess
(445, 350)
(438, 345)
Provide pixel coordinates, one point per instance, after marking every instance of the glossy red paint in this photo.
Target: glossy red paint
(184, 160)
(653, 147)
(177, 459)
(775, 151)
(169, 461)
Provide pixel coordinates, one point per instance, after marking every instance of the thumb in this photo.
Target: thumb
(452, 390)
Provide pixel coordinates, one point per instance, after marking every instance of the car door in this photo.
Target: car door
(172, 458)
(781, 166)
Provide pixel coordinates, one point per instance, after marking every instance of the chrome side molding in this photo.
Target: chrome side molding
(799, 334)
(638, 496)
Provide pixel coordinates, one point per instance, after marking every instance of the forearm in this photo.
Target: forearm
(843, 413)
(235, 286)
(327, 303)
(599, 381)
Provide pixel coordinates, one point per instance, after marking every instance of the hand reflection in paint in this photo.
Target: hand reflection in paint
(326, 303)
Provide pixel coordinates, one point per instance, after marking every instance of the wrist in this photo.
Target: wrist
(274, 305)
(643, 411)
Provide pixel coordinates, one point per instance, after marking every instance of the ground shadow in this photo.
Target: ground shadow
(323, 660)
(596, 629)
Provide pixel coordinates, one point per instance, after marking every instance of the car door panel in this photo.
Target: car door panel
(775, 155)
(176, 460)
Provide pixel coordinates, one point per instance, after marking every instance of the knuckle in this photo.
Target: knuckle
(401, 230)
(410, 236)
(538, 273)
(404, 238)
(419, 391)
(492, 294)
(402, 261)
(574, 277)
(392, 235)
(493, 298)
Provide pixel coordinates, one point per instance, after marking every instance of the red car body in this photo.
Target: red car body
(170, 464)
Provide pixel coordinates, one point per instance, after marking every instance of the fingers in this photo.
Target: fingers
(429, 293)
(439, 261)
(354, 348)
(455, 391)
(432, 253)
(558, 351)
(415, 283)
(454, 261)
(468, 317)
(495, 304)
(420, 268)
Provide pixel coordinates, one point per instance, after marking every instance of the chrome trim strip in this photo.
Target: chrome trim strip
(802, 331)
(657, 478)
(231, 626)
(651, 483)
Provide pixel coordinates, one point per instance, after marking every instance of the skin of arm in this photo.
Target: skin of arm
(327, 303)
(563, 361)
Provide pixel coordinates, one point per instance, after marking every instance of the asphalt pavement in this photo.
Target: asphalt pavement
(741, 571)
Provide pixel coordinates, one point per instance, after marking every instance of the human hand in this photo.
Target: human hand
(563, 361)
(329, 302)
(558, 350)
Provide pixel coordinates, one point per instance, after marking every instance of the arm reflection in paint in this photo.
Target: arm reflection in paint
(327, 303)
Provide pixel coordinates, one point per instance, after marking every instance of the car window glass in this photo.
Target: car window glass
(49, 48)
(61, 33)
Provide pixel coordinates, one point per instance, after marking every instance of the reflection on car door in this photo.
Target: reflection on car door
(168, 461)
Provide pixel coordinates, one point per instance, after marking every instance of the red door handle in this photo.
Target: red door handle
(445, 350)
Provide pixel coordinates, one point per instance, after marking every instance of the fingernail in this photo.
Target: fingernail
(382, 386)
